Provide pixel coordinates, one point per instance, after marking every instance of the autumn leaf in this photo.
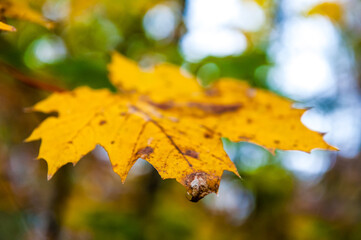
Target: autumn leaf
(165, 117)
(262, 2)
(6, 27)
(20, 9)
(78, 7)
(134, 7)
(332, 10)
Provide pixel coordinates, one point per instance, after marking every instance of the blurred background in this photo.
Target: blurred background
(305, 50)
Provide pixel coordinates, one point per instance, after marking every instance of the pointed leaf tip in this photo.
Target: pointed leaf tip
(6, 27)
(49, 177)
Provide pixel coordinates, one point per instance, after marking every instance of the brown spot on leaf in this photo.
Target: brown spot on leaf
(242, 138)
(162, 106)
(102, 122)
(251, 92)
(212, 92)
(216, 108)
(70, 142)
(200, 184)
(192, 154)
(276, 141)
(112, 142)
(145, 152)
(181, 132)
(207, 135)
(249, 121)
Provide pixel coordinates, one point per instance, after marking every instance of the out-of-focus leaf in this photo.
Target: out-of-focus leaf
(20, 9)
(6, 27)
(332, 10)
(135, 7)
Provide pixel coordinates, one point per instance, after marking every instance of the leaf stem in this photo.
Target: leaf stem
(27, 80)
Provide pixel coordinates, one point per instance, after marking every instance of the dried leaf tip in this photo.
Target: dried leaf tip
(200, 184)
(6, 27)
(12, 29)
(49, 176)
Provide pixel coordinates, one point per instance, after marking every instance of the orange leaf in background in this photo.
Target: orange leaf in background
(168, 119)
(332, 10)
(6, 27)
(20, 9)
(80, 8)
(262, 3)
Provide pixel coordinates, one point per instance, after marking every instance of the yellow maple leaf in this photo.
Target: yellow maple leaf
(6, 27)
(20, 9)
(168, 119)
